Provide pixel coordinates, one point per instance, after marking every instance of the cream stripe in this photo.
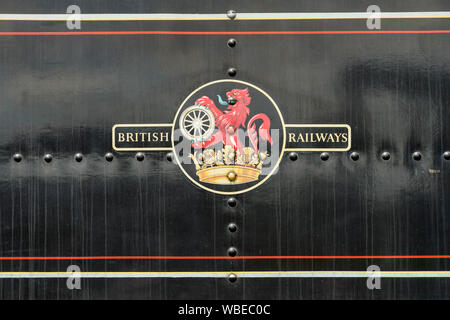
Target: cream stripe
(222, 16)
(340, 15)
(249, 274)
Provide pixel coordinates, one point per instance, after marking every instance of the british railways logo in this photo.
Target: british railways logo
(234, 147)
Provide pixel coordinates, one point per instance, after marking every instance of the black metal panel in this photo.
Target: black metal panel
(63, 94)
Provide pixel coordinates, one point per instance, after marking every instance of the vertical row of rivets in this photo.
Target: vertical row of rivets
(232, 228)
(232, 202)
(231, 14)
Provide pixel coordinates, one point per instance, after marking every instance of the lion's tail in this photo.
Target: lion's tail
(264, 129)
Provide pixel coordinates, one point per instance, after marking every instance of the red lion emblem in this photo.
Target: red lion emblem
(229, 121)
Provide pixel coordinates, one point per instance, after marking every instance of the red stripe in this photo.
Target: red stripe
(220, 32)
(225, 257)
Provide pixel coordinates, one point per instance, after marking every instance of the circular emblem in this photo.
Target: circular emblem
(228, 136)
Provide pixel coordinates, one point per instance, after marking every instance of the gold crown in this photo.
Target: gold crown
(228, 166)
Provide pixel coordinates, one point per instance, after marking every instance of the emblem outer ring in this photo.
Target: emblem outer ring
(282, 146)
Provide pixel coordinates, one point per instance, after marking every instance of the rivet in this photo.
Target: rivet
(354, 156)
(324, 156)
(232, 227)
(232, 101)
(293, 156)
(109, 157)
(417, 156)
(232, 72)
(231, 43)
(232, 277)
(232, 202)
(17, 157)
(78, 157)
(232, 252)
(447, 155)
(140, 156)
(48, 158)
(169, 157)
(231, 176)
(386, 155)
(231, 14)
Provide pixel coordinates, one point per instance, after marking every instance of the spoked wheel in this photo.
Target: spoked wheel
(197, 123)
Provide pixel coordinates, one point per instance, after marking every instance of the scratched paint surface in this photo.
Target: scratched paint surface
(62, 95)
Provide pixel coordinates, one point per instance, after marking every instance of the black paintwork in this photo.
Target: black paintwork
(61, 95)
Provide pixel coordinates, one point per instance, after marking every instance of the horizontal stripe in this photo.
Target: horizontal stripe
(221, 274)
(342, 15)
(223, 16)
(349, 32)
(228, 258)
